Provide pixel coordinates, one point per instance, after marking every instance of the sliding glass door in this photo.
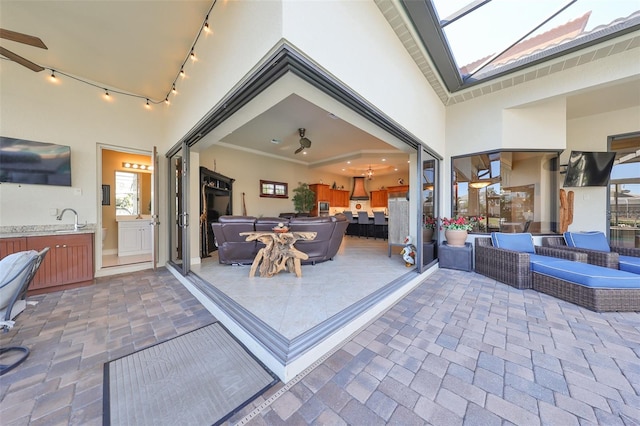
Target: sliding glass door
(429, 206)
(179, 217)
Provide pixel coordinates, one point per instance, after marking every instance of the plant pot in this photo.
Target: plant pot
(455, 238)
(427, 235)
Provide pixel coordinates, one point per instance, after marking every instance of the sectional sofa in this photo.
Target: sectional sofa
(515, 260)
(234, 249)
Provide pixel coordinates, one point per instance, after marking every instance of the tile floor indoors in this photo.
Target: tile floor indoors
(292, 305)
(459, 349)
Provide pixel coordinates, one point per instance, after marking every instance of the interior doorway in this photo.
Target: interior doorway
(125, 241)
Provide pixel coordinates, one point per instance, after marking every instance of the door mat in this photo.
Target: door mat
(199, 378)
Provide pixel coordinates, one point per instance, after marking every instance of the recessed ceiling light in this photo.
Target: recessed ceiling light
(384, 159)
(348, 162)
(276, 141)
(304, 152)
(395, 170)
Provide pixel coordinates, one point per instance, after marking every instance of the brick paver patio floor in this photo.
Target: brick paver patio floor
(459, 349)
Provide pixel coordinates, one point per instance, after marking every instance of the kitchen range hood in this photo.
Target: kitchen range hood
(359, 193)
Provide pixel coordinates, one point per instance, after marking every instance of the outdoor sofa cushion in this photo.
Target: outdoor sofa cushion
(586, 274)
(587, 240)
(522, 242)
(629, 264)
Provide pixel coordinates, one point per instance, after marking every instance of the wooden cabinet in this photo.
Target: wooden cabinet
(323, 192)
(134, 237)
(12, 245)
(69, 260)
(339, 198)
(379, 198)
(398, 188)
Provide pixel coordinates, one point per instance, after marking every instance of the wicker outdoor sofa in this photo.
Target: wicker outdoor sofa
(527, 266)
(514, 267)
(625, 258)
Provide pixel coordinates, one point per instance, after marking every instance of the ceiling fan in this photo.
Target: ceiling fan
(304, 142)
(24, 39)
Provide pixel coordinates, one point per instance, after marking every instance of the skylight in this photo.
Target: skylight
(483, 39)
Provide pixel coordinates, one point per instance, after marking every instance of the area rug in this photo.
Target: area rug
(200, 378)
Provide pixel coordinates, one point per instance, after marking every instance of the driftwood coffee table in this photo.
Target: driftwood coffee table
(279, 253)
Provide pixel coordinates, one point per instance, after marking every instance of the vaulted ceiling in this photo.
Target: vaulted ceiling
(140, 46)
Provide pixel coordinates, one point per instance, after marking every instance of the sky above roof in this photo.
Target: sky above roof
(494, 26)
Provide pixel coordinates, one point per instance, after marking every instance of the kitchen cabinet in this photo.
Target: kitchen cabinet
(134, 237)
(339, 198)
(69, 260)
(323, 192)
(379, 198)
(398, 188)
(12, 245)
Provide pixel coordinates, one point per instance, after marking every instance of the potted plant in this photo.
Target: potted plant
(457, 228)
(304, 198)
(430, 223)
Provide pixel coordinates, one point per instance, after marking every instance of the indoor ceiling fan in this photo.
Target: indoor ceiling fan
(304, 142)
(24, 39)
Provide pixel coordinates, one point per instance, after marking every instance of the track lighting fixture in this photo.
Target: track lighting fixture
(173, 89)
(53, 75)
(147, 106)
(106, 93)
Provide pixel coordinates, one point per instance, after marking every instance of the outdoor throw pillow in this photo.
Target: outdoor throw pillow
(587, 240)
(522, 242)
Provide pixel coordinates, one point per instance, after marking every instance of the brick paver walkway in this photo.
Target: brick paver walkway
(460, 349)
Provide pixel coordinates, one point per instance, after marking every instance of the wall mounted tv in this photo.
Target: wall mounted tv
(589, 168)
(38, 163)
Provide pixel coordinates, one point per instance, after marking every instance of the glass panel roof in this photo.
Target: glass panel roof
(487, 37)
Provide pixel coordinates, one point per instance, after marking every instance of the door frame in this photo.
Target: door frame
(100, 270)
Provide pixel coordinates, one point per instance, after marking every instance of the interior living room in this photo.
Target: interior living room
(245, 101)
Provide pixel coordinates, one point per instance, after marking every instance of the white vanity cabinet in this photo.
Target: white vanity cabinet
(134, 237)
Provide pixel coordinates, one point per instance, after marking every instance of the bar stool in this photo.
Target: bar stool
(351, 222)
(363, 224)
(380, 225)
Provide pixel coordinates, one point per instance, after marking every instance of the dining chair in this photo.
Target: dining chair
(364, 223)
(380, 225)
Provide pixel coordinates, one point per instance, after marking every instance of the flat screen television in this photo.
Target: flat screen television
(39, 163)
(589, 168)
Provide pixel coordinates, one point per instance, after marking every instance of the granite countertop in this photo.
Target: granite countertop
(42, 230)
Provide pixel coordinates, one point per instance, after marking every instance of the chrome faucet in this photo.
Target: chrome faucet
(76, 226)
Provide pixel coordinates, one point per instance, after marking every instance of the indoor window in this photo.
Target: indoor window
(514, 191)
(127, 193)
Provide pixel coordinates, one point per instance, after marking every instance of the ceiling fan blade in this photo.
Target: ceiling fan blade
(19, 59)
(299, 150)
(22, 38)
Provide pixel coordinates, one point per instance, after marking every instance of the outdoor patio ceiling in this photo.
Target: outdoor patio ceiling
(471, 42)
